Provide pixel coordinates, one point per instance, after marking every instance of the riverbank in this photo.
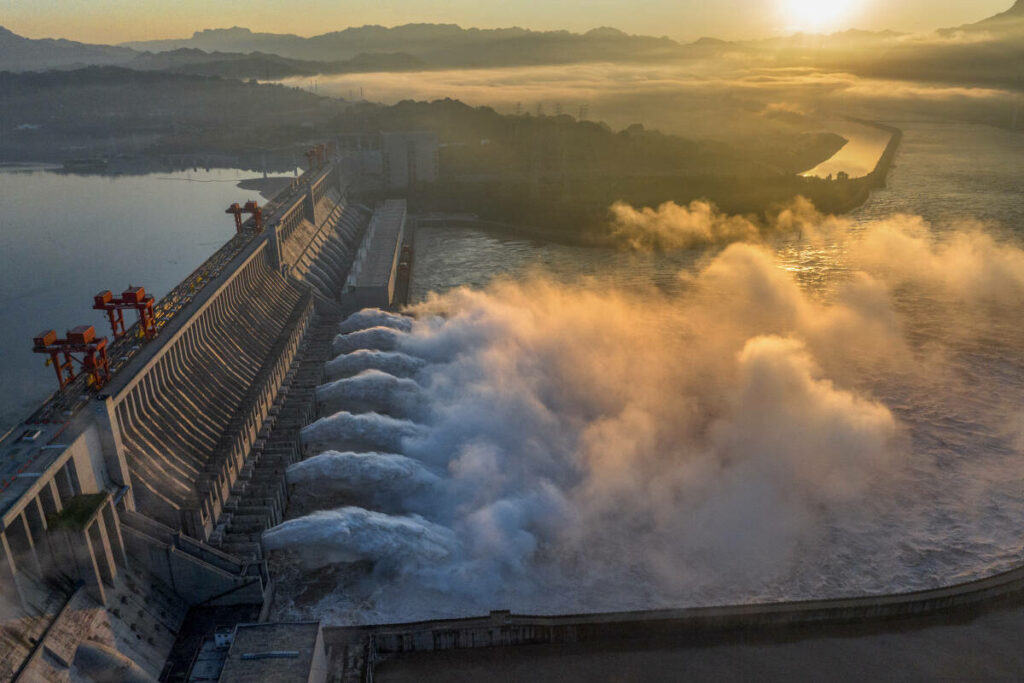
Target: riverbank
(100, 165)
(574, 223)
(886, 161)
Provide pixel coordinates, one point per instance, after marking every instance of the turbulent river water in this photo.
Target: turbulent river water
(697, 427)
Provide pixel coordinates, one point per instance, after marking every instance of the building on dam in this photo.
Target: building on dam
(374, 274)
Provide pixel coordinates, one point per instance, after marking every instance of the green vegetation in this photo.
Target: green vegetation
(77, 512)
(111, 111)
(553, 172)
(560, 174)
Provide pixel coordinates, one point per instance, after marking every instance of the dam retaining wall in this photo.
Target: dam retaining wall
(502, 628)
(356, 650)
(141, 482)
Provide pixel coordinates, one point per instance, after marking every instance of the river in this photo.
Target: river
(858, 156)
(949, 510)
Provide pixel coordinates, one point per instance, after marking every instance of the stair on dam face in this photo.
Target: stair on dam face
(260, 495)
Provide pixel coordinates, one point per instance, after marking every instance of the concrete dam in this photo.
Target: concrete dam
(133, 506)
(147, 493)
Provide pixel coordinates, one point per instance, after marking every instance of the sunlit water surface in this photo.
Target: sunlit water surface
(858, 157)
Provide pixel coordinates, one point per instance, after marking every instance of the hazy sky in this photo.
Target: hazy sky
(109, 21)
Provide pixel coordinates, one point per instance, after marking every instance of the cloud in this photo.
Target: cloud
(721, 98)
(671, 226)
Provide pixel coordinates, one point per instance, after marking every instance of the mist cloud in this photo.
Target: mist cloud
(724, 97)
(586, 447)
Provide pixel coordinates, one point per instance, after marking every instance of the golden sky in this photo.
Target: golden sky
(112, 21)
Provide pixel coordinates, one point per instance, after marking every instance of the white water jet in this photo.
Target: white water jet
(377, 338)
(391, 362)
(352, 534)
(371, 391)
(375, 317)
(387, 480)
(367, 431)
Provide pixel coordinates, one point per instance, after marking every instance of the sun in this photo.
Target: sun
(816, 16)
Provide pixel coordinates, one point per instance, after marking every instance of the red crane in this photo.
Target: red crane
(316, 157)
(133, 297)
(81, 340)
(251, 207)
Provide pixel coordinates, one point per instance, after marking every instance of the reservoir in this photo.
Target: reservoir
(67, 237)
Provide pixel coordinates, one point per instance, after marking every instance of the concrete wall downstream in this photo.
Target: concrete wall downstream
(174, 413)
(677, 627)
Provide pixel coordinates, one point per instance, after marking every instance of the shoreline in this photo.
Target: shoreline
(874, 180)
(885, 162)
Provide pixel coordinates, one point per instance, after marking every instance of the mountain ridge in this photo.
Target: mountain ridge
(239, 52)
(20, 53)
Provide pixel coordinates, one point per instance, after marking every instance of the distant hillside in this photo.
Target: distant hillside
(264, 66)
(18, 53)
(992, 55)
(1014, 14)
(23, 54)
(55, 115)
(1009, 22)
(433, 44)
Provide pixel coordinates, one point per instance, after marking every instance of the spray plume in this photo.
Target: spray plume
(750, 438)
(393, 363)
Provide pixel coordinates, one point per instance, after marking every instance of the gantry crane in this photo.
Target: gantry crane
(133, 297)
(251, 207)
(316, 157)
(80, 340)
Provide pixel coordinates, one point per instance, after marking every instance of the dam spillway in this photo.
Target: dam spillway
(166, 476)
(153, 494)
